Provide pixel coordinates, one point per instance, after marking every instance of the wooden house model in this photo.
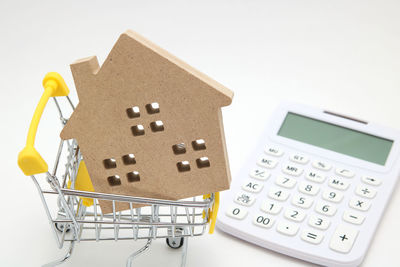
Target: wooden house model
(148, 124)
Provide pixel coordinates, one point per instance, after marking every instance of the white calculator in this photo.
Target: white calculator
(315, 187)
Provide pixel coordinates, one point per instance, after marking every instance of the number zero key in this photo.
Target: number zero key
(236, 212)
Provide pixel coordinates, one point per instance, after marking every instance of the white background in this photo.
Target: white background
(340, 55)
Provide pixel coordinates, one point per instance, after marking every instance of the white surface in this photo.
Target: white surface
(341, 55)
(294, 246)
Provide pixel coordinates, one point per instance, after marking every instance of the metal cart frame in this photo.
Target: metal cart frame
(72, 220)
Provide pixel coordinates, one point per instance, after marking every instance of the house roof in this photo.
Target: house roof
(82, 69)
(225, 93)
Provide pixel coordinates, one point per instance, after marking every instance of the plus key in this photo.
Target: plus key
(343, 239)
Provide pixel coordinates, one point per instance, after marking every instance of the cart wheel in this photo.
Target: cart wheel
(60, 227)
(174, 243)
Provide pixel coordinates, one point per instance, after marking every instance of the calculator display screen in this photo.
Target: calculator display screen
(336, 138)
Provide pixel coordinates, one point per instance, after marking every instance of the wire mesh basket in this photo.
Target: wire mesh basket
(75, 215)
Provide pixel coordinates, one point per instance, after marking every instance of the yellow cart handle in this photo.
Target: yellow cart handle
(213, 212)
(29, 160)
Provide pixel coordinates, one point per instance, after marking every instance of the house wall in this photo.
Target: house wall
(135, 76)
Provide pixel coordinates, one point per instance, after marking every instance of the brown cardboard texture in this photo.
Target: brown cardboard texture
(148, 124)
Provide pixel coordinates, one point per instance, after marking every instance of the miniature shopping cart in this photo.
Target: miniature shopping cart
(73, 208)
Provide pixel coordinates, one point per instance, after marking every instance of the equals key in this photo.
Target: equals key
(312, 237)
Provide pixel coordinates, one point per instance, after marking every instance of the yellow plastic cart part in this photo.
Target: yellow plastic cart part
(29, 159)
(83, 183)
(213, 212)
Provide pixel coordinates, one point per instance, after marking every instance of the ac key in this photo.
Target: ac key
(252, 186)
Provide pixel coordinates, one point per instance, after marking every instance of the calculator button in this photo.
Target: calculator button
(344, 172)
(309, 189)
(338, 183)
(236, 212)
(287, 228)
(244, 199)
(285, 181)
(267, 163)
(263, 220)
(278, 194)
(260, 174)
(252, 186)
(352, 217)
(312, 236)
(315, 177)
(371, 180)
(359, 204)
(322, 165)
(325, 209)
(299, 159)
(292, 170)
(273, 151)
(343, 238)
(318, 222)
(295, 215)
(365, 191)
(302, 201)
(271, 207)
(333, 196)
